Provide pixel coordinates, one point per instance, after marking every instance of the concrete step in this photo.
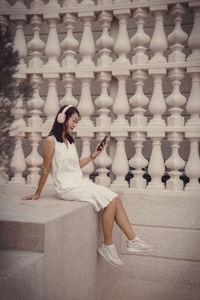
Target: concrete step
(170, 223)
(170, 243)
(176, 258)
(147, 267)
(20, 275)
(131, 289)
(163, 208)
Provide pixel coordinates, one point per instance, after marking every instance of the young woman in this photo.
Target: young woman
(61, 158)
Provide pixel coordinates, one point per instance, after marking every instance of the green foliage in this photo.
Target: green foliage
(5, 121)
(9, 91)
(9, 60)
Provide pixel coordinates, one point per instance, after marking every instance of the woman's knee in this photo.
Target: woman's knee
(113, 203)
(116, 201)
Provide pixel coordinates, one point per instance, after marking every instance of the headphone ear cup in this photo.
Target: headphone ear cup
(61, 118)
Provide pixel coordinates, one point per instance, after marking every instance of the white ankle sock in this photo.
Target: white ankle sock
(133, 240)
(108, 246)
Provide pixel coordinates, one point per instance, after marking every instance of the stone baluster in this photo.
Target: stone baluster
(70, 3)
(36, 45)
(86, 106)
(105, 42)
(51, 106)
(52, 49)
(156, 167)
(34, 159)
(120, 165)
(68, 80)
(19, 40)
(36, 102)
(52, 4)
(104, 101)
(121, 105)
(18, 164)
(89, 168)
(175, 162)
(158, 44)
(140, 40)
(37, 4)
(177, 37)
(103, 161)
(4, 4)
(69, 44)
(192, 130)
(122, 44)
(194, 38)
(103, 122)
(193, 103)
(19, 4)
(192, 168)
(157, 105)
(156, 130)
(138, 162)
(87, 45)
(120, 1)
(87, 2)
(139, 99)
(104, 2)
(175, 99)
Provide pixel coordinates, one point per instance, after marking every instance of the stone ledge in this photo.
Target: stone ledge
(151, 268)
(148, 290)
(70, 267)
(170, 243)
(163, 208)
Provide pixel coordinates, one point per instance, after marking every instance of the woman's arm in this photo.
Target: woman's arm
(84, 161)
(48, 151)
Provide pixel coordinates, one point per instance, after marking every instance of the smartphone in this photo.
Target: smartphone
(102, 143)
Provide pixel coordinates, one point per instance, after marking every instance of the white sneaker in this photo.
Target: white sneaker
(109, 253)
(137, 245)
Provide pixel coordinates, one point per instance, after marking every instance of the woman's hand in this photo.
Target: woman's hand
(32, 197)
(97, 152)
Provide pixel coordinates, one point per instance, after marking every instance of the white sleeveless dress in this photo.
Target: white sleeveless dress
(69, 182)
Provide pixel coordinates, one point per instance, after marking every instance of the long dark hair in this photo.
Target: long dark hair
(57, 129)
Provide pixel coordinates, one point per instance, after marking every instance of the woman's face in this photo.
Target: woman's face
(71, 123)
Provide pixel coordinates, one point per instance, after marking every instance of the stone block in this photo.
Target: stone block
(21, 275)
(157, 269)
(170, 242)
(163, 208)
(69, 266)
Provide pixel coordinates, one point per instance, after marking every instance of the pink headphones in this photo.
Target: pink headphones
(62, 116)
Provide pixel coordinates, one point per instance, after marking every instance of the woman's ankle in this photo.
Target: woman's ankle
(108, 243)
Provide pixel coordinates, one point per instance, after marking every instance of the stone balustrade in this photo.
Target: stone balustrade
(138, 84)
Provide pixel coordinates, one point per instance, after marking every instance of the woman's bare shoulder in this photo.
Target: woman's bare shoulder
(50, 139)
(49, 142)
